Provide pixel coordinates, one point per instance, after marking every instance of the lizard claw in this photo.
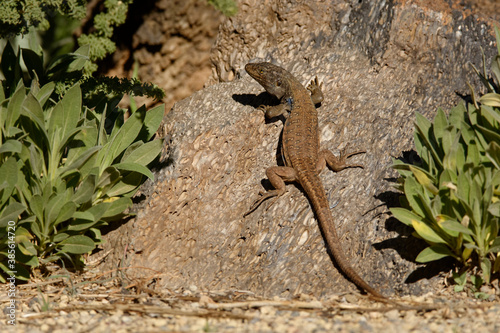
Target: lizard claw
(344, 156)
(262, 108)
(315, 88)
(314, 85)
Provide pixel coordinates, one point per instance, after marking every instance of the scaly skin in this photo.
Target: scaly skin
(301, 154)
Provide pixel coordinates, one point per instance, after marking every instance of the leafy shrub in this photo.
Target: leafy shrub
(20, 16)
(452, 198)
(17, 16)
(68, 165)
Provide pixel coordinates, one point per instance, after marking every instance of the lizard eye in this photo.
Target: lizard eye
(278, 83)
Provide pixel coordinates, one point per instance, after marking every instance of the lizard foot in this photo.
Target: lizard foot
(344, 156)
(315, 88)
(337, 163)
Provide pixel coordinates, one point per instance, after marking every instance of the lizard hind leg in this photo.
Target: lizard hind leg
(337, 163)
(277, 175)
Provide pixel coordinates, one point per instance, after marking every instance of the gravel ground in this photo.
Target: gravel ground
(94, 302)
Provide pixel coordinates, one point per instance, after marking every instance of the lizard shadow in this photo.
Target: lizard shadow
(264, 98)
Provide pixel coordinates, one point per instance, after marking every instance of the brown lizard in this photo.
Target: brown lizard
(301, 154)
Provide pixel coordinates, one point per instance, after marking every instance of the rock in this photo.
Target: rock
(380, 62)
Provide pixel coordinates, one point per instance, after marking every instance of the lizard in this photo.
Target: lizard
(301, 153)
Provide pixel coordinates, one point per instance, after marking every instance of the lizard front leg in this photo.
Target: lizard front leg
(277, 175)
(275, 110)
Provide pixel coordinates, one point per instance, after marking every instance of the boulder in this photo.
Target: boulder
(380, 62)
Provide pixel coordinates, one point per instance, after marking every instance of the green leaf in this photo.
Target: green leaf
(53, 208)
(33, 109)
(83, 222)
(490, 99)
(97, 235)
(44, 93)
(427, 233)
(30, 260)
(423, 127)
(488, 134)
(9, 171)
(58, 69)
(153, 120)
(440, 123)
(412, 191)
(136, 168)
(15, 106)
(82, 57)
(493, 153)
(404, 215)
(123, 138)
(497, 36)
(33, 62)
(450, 224)
(78, 244)
(495, 67)
(109, 177)
(447, 177)
(117, 207)
(434, 252)
(66, 113)
(59, 237)
(473, 153)
(461, 278)
(66, 212)
(35, 229)
(126, 186)
(454, 156)
(22, 234)
(456, 115)
(36, 206)
(27, 248)
(448, 136)
(145, 154)
(22, 272)
(402, 168)
(85, 191)
(77, 164)
(494, 209)
(11, 146)
(424, 179)
(495, 246)
(486, 268)
(98, 210)
(11, 213)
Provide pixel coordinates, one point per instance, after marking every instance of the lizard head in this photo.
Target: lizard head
(270, 76)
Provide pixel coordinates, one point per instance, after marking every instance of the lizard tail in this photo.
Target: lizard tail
(327, 226)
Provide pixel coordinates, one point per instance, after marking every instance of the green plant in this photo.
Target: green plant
(226, 7)
(114, 14)
(22, 16)
(18, 16)
(68, 165)
(452, 198)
